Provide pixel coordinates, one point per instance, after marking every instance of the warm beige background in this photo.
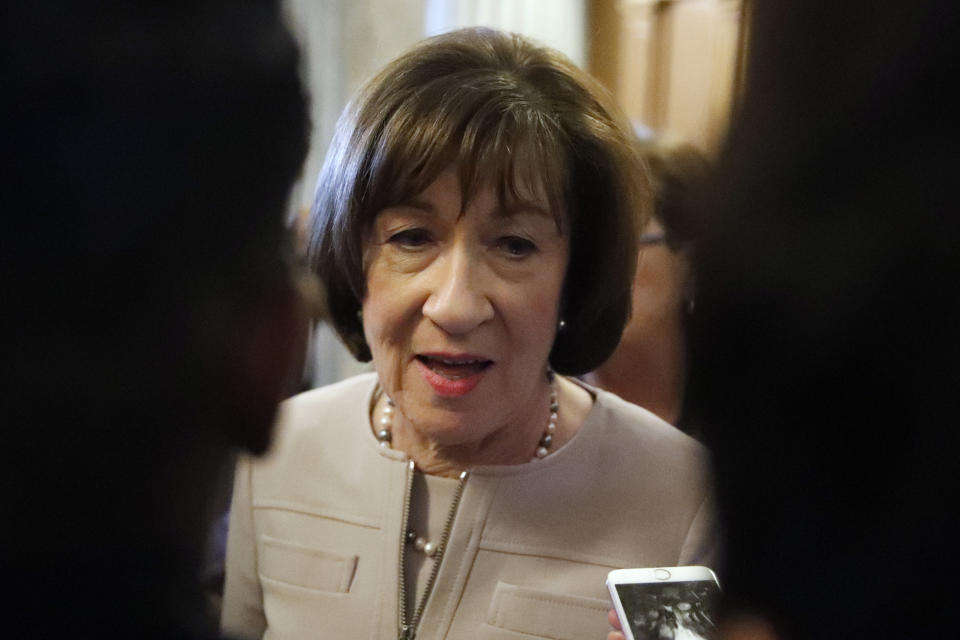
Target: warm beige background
(674, 65)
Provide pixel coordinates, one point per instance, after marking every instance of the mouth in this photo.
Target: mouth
(455, 367)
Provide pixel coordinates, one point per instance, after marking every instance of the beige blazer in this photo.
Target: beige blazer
(315, 528)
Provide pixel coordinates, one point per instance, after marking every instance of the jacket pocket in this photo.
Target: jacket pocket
(547, 615)
(306, 567)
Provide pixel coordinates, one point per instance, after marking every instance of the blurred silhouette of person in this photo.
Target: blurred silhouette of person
(151, 315)
(649, 366)
(826, 327)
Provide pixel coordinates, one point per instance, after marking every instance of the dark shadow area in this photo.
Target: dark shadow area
(827, 316)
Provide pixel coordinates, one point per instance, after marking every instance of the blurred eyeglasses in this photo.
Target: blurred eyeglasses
(652, 238)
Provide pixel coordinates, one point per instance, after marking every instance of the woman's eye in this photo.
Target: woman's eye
(516, 246)
(410, 238)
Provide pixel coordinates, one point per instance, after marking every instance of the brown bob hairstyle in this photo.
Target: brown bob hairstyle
(507, 113)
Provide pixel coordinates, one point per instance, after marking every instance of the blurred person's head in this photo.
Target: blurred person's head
(648, 366)
(826, 331)
(498, 114)
(152, 316)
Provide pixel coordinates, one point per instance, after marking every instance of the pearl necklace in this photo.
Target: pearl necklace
(421, 544)
(385, 433)
(385, 437)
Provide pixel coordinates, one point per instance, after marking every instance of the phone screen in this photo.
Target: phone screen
(670, 610)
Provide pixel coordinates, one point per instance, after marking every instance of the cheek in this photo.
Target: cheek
(377, 311)
(656, 279)
(381, 319)
(535, 313)
(383, 329)
(544, 303)
(390, 312)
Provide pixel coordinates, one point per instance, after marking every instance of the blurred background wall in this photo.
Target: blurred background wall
(674, 66)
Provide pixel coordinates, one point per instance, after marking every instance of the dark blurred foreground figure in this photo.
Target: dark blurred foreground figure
(826, 333)
(149, 311)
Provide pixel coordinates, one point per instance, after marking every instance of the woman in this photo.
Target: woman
(474, 226)
(648, 367)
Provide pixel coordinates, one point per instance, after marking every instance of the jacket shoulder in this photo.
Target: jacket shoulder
(330, 414)
(644, 433)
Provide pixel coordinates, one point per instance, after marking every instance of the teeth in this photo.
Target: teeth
(436, 365)
(455, 362)
(451, 377)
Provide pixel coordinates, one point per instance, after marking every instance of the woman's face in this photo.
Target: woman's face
(659, 288)
(461, 310)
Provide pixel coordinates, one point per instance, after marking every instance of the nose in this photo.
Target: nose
(458, 302)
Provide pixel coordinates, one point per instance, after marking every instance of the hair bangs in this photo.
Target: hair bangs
(413, 148)
(491, 139)
(518, 151)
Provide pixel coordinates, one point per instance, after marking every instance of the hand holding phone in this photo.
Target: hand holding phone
(665, 603)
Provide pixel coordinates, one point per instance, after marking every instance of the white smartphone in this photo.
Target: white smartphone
(665, 603)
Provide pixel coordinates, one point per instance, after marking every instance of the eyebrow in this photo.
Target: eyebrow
(523, 207)
(414, 203)
(526, 206)
(515, 208)
(512, 209)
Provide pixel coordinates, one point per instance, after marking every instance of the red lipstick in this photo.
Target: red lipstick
(452, 375)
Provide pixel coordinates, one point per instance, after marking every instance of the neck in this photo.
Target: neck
(515, 442)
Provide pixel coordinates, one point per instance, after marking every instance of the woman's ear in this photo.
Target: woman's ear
(267, 364)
